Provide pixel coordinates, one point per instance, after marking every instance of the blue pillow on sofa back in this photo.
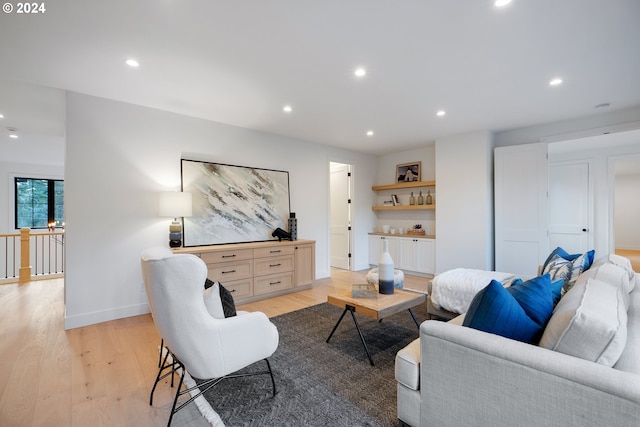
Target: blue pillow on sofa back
(519, 312)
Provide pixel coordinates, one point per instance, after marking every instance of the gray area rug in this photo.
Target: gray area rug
(319, 383)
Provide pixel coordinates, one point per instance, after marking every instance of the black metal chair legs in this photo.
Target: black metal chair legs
(174, 365)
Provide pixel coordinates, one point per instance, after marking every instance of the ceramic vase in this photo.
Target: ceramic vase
(385, 271)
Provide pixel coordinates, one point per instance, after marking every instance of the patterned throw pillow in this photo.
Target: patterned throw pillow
(558, 268)
(226, 299)
(562, 265)
(228, 306)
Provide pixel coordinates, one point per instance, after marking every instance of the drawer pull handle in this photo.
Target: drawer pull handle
(275, 265)
(232, 290)
(228, 256)
(275, 283)
(276, 251)
(230, 271)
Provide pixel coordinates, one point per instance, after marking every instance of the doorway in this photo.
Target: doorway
(340, 185)
(626, 209)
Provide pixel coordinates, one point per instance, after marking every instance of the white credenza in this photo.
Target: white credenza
(259, 270)
(410, 253)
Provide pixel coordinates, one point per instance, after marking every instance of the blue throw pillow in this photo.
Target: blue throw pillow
(556, 288)
(535, 296)
(496, 311)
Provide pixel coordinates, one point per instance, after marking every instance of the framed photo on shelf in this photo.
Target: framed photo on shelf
(408, 172)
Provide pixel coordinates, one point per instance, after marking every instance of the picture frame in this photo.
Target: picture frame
(408, 172)
(233, 204)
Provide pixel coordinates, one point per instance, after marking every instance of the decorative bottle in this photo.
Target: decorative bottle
(412, 199)
(421, 199)
(429, 198)
(293, 225)
(385, 271)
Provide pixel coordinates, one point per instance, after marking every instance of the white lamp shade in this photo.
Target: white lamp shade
(175, 204)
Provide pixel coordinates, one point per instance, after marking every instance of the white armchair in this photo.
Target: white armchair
(207, 347)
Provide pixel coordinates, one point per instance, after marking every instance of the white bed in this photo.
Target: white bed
(454, 290)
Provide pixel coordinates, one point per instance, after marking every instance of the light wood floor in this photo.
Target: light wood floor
(101, 375)
(634, 256)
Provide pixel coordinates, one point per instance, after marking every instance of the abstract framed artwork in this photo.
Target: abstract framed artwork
(233, 204)
(407, 172)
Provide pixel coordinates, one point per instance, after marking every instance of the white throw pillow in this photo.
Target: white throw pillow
(618, 260)
(589, 322)
(614, 275)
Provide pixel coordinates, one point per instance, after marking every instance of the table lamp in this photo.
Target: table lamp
(175, 204)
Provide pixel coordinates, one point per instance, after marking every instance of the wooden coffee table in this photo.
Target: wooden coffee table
(376, 308)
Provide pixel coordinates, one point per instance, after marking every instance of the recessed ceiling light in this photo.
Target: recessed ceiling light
(441, 113)
(369, 133)
(555, 82)
(132, 63)
(13, 135)
(1, 116)
(287, 109)
(500, 3)
(360, 72)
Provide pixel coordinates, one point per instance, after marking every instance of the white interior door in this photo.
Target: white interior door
(521, 215)
(340, 185)
(570, 208)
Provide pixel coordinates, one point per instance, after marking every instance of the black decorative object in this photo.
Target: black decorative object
(293, 226)
(281, 234)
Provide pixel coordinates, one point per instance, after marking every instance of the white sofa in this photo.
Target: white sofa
(458, 376)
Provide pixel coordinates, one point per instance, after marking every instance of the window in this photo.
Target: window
(39, 202)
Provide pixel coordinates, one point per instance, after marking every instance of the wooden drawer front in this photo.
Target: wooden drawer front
(224, 256)
(230, 271)
(239, 288)
(273, 251)
(273, 265)
(273, 283)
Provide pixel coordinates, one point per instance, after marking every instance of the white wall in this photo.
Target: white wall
(120, 156)
(8, 171)
(464, 178)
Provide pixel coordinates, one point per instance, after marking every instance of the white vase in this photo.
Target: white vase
(385, 271)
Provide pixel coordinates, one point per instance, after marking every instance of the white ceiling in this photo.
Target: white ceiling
(239, 62)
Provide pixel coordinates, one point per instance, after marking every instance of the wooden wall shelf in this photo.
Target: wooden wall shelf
(404, 185)
(404, 208)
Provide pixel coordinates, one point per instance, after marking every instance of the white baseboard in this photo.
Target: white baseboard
(86, 319)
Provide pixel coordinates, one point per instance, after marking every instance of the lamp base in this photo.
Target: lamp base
(175, 234)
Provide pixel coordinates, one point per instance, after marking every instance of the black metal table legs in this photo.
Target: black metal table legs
(351, 309)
